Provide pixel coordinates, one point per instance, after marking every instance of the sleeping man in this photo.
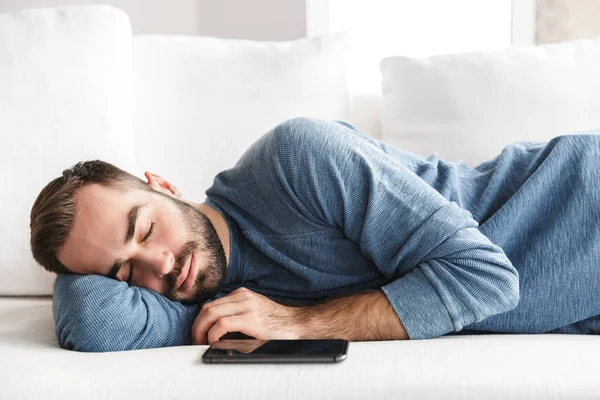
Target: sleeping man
(320, 231)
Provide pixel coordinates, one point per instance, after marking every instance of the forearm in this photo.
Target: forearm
(361, 317)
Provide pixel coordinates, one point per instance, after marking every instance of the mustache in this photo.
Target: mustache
(184, 254)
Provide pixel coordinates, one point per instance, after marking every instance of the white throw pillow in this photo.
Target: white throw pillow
(202, 101)
(469, 106)
(65, 90)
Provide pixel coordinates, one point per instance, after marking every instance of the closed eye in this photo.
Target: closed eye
(149, 232)
(130, 277)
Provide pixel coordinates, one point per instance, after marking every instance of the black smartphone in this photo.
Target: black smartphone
(276, 351)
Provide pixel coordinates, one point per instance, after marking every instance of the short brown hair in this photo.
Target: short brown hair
(53, 212)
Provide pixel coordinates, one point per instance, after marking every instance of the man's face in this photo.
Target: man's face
(148, 239)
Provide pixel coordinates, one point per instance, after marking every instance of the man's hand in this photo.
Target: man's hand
(364, 316)
(247, 312)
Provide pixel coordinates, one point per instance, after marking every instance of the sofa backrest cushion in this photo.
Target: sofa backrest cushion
(201, 101)
(65, 96)
(469, 106)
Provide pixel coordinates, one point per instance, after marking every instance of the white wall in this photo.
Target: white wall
(147, 16)
(291, 19)
(239, 19)
(253, 19)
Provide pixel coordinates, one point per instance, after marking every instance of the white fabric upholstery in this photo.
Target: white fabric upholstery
(65, 96)
(469, 106)
(201, 102)
(458, 367)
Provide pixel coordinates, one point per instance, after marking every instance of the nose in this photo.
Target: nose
(159, 261)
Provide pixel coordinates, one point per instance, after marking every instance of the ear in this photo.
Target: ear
(162, 185)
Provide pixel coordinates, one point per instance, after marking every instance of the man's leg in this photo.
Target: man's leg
(590, 326)
(549, 230)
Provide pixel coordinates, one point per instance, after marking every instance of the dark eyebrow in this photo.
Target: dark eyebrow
(131, 222)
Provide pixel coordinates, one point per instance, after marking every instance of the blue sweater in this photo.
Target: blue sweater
(317, 209)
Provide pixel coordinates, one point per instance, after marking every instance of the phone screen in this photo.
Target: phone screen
(330, 350)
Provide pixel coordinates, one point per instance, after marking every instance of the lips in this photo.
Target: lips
(188, 274)
(185, 271)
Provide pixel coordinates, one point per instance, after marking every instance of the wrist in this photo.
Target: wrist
(297, 318)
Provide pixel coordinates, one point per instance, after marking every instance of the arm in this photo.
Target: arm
(443, 273)
(93, 313)
(365, 316)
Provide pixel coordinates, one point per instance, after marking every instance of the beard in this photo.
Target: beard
(203, 239)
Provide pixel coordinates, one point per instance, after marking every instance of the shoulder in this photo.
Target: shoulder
(301, 140)
(303, 132)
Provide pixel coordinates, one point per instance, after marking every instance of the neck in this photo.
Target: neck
(219, 224)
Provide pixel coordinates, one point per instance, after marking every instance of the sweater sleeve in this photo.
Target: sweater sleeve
(93, 313)
(443, 273)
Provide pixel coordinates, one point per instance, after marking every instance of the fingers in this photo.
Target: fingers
(237, 295)
(235, 323)
(215, 318)
(232, 297)
(211, 311)
(209, 316)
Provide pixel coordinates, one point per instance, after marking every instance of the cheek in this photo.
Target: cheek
(173, 234)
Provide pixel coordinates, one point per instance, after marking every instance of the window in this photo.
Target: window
(418, 28)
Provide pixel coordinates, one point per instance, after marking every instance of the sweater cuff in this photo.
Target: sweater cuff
(418, 305)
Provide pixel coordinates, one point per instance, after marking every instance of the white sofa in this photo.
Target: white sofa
(74, 84)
